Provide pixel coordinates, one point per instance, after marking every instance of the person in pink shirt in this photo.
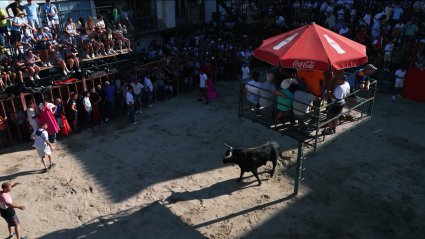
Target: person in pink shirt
(7, 209)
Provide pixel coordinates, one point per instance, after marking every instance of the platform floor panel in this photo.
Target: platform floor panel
(307, 137)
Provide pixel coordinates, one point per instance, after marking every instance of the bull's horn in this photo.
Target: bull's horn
(227, 145)
(230, 155)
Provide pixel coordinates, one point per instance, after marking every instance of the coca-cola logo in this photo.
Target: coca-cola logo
(303, 64)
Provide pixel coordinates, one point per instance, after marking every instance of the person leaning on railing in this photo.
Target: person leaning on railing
(15, 33)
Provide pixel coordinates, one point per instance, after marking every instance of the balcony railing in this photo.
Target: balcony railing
(146, 24)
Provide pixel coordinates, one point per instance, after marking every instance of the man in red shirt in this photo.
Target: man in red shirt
(7, 209)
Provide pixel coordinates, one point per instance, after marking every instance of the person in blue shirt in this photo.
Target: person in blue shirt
(52, 14)
(71, 58)
(15, 34)
(109, 100)
(42, 39)
(58, 55)
(33, 11)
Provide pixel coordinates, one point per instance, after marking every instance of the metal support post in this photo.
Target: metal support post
(300, 158)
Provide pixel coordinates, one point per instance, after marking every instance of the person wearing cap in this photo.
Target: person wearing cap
(27, 41)
(52, 14)
(41, 46)
(33, 11)
(16, 8)
(15, 33)
(409, 32)
(337, 96)
(359, 79)
(344, 31)
(301, 103)
(285, 105)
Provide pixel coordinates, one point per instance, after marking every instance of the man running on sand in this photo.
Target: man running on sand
(42, 145)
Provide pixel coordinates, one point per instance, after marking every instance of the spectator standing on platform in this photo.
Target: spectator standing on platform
(130, 104)
(344, 31)
(33, 11)
(399, 82)
(397, 14)
(109, 100)
(52, 14)
(137, 89)
(42, 145)
(7, 209)
(330, 22)
(338, 97)
(252, 89)
(15, 29)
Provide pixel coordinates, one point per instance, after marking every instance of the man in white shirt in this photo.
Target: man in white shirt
(344, 31)
(378, 16)
(399, 82)
(137, 89)
(203, 86)
(87, 108)
(149, 89)
(42, 145)
(398, 31)
(130, 104)
(387, 56)
(245, 71)
(338, 96)
(100, 23)
(32, 116)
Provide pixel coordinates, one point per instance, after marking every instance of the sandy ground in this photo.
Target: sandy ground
(164, 178)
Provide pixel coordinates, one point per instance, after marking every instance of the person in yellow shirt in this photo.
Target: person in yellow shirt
(3, 26)
(315, 82)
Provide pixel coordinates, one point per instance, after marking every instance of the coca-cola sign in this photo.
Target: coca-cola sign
(303, 64)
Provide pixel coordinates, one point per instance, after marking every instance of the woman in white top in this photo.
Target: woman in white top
(70, 27)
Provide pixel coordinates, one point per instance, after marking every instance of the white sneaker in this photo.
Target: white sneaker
(72, 71)
(113, 52)
(37, 77)
(129, 49)
(67, 71)
(64, 72)
(136, 112)
(92, 55)
(88, 57)
(119, 51)
(151, 106)
(106, 119)
(48, 64)
(140, 111)
(79, 70)
(44, 64)
(134, 122)
(104, 53)
(393, 97)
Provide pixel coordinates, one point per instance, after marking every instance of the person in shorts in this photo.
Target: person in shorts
(33, 11)
(337, 96)
(400, 76)
(203, 86)
(43, 146)
(7, 210)
(52, 14)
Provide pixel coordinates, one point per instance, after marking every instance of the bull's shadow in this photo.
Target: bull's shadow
(221, 188)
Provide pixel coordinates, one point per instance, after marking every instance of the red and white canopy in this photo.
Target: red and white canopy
(312, 47)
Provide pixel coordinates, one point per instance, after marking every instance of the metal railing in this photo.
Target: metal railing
(146, 24)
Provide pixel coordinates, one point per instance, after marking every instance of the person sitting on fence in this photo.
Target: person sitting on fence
(71, 57)
(119, 36)
(59, 57)
(87, 44)
(41, 46)
(301, 104)
(338, 96)
(252, 89)
(285, 105)
(108, 42)
(30, 63)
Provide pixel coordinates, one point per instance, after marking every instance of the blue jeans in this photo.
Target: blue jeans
(111, 108)
(130, 113)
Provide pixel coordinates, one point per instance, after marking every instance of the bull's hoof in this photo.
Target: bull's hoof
(239, 180)
(271, 175)
(259, 184)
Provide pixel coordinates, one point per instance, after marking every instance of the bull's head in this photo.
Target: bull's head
(227, 158)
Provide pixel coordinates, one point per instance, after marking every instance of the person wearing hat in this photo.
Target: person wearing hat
(285, 105)
(301, 103)
(16, 8)
(252, 90)
(52, 14)
(33, 11)
(409, 32)
(359, 79)
(15, 33)
(337, 96)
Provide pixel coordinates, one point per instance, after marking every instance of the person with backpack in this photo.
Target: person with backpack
(42, 145)
(7, 210)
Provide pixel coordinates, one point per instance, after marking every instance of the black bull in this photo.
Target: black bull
(252, 158)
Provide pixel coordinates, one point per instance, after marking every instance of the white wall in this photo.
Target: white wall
(166, 12)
